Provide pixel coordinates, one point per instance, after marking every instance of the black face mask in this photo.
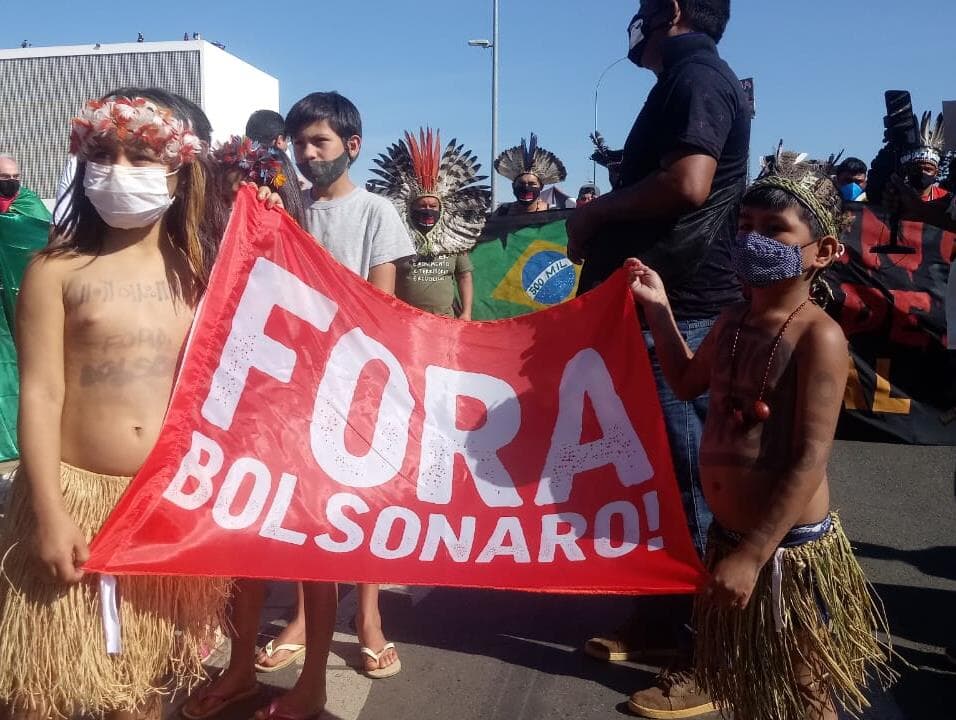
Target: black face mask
(639, 32)
(922, 181)
(526, 193)
(322, 173)
(425, 219)
(9, 188)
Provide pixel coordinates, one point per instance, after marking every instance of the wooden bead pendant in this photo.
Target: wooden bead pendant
(761, 411)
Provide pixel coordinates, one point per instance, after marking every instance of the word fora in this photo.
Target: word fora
(585, 377)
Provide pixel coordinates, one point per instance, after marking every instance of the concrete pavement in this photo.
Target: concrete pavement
(485, 655)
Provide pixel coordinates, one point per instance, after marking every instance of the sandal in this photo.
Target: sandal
(381, 673)
(224, 701)
(295, 651)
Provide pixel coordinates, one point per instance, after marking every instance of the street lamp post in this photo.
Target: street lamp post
(597, 88)
(493, 46)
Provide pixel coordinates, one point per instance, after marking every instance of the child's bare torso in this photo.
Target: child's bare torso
(124, 329)
(742, 465)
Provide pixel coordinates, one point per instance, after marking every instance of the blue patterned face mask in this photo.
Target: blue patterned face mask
(760, 261)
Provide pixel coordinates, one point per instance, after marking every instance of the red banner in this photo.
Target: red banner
(322, 430)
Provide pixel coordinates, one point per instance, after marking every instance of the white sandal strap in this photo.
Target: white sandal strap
(271, 648)
(377, 655)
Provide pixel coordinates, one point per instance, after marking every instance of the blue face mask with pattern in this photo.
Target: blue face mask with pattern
(760, 261)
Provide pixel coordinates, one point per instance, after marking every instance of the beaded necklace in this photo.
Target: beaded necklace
(760, 408)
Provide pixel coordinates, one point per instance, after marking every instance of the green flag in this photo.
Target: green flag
(9, 394)
(24, 229)
(521, 266)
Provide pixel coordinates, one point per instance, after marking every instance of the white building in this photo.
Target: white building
(41, 89)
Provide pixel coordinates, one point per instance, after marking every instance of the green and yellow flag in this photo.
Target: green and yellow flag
(23, 230)
(521, 266)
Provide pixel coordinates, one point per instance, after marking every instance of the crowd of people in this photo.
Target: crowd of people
(750, 375)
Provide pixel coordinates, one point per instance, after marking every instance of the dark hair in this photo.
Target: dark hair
(196, 220)
(772, 198)
(341, 114)
(181, 107)
(852, 166)
(264, 126)
(707, 16)
(290, 192)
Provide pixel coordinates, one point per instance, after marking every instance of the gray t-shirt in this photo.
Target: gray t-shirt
(361, 230)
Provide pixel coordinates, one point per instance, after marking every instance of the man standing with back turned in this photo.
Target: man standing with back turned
(675, 207)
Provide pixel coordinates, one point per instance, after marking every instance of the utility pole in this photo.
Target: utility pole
(493, 46)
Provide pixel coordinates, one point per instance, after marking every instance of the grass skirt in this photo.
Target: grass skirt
(53, 657)
(753, 669)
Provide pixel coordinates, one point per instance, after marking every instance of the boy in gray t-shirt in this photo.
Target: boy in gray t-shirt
(362, 230)
(365, 234)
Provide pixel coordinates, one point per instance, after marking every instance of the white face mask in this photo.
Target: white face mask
(127, 197)
(635, 33)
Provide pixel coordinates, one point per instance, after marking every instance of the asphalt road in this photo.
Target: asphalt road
(484, 655)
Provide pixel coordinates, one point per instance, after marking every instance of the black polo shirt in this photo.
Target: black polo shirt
(697, 104)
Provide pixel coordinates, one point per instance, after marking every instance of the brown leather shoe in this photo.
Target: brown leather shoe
(634, 640)
(674, 694)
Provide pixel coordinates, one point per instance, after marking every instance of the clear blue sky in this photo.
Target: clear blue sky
(821, 66)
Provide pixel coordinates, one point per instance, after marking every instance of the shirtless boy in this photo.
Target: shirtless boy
(786, 626)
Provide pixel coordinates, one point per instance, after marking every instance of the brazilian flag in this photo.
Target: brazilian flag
(521, 265)
(24, 229)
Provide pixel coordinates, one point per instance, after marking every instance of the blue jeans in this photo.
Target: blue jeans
(685, 426)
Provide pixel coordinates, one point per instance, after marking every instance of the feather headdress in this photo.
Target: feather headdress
(416, 167)
(528, 158)
(932, 141)
(255, 162)
(810, 182)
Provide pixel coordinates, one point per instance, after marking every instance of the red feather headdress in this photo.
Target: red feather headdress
(426, 158)
(419, 166)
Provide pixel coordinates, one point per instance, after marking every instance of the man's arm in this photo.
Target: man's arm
(466, 290)
(682, 185)
(466, 285)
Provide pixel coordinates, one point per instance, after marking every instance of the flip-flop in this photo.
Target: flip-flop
(295, 651)
(381, 673)
(273, 713)
(226, 701)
